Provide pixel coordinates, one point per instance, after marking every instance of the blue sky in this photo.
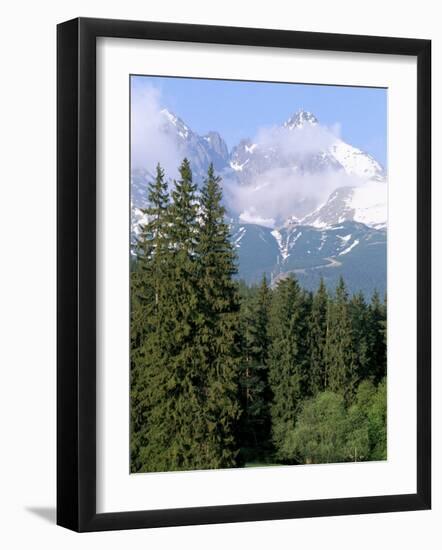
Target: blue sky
(238, 109)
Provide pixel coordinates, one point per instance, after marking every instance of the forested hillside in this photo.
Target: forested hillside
(224, 374)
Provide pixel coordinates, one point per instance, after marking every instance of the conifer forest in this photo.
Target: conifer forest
(228, 374)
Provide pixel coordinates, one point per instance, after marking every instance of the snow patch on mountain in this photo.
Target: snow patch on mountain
(348, 249)
(170, 116)
(297, 236)
(369, 203)
(365, 204)
(239, 236)
(356, 162)
(251, 148)
(283, 248)
(345, 238)
(238, 167)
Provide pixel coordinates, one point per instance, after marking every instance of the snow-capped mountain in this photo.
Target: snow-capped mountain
(366, 204)
(300, 119)
(282, 148)
(289, 147)
(360, 181)
(200, 150)
(298, 147)
(355, 162)
(343, 235)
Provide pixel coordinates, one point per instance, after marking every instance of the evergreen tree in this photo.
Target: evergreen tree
(306, 370)
(255, 390)
(147, 288)
(218, 328)
(264, 300)
(359, 318)
(175, 431)
(138, 403)
(384, 322)
(316, 337)
(377, 338)
(287, 359)
(339, 352)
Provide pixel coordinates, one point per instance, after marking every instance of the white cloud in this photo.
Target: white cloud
(306, 140)
(277, 193)
(250, 216)
(150, 143)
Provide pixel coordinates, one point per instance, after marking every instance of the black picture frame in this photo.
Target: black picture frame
(77, 287)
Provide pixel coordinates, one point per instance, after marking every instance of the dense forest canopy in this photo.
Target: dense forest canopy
(224, 374)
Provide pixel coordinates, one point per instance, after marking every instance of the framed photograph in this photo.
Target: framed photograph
(243, 274)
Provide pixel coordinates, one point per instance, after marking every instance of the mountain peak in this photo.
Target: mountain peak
(217, 144)
(170, 116)
(175, 121)
(300, 119)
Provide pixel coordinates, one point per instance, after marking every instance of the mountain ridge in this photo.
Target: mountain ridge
(309, 243)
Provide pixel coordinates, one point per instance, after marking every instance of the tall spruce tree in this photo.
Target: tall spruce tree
(254, 383)
(377, 322)
(359, 318)
(175, 434)
(147, 293)
(287, 359)
(339, 350)
(218, 328)
(317, 337)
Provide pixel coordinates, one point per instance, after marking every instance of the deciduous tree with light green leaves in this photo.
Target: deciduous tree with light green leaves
(328, 431)
(319, 435)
